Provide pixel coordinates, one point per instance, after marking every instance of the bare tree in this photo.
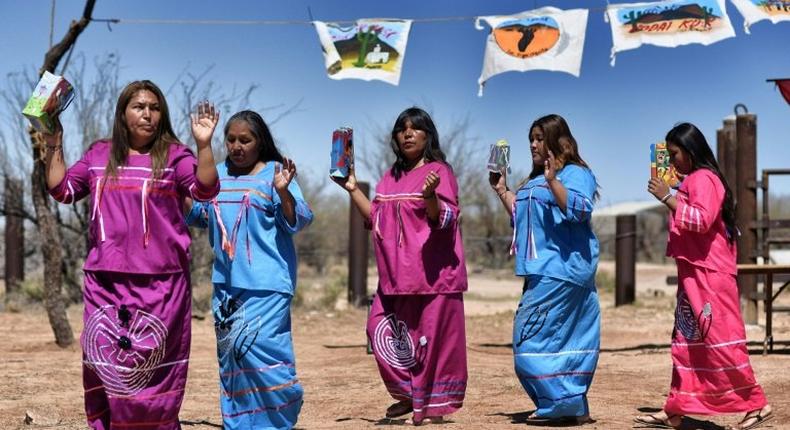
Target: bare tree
(47, 220)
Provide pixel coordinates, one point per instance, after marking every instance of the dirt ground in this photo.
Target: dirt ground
(342, 385)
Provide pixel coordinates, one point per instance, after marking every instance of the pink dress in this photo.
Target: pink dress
(711, 373)
(416, 324)
(137, 294)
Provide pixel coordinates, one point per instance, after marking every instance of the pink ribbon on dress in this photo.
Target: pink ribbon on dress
(229, 244)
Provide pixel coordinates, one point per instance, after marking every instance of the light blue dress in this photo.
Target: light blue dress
(556, 330)
(254, 280)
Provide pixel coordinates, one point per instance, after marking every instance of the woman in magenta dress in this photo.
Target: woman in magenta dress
(711, 373)
(416, 324)
(137, 291)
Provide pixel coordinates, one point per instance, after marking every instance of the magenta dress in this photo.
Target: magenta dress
(416, 324)
(711, 373)
(137, 291)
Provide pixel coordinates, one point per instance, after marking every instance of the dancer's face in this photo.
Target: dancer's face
(537, 147)
(142, 116)
(412, 142)
(679, 158)
(242, 146)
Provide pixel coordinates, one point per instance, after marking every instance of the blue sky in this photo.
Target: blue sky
(614, 112)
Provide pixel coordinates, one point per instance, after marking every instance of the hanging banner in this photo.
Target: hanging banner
(371, 49)
(668, 24)
(542, 39)
(784, 88)
(758, 10)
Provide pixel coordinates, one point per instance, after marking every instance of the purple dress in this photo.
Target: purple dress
(137, 296)
(416, 323)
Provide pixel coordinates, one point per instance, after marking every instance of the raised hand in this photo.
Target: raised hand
(204, 121)
(284, 174)
(550, 167)
(429, 186)
(348, 183)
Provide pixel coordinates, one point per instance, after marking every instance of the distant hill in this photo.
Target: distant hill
(691, 11)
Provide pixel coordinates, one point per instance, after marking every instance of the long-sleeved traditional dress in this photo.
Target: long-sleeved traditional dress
(711, 373)
(416, 323)
(254, 280)
(137, 292)
(556, 331)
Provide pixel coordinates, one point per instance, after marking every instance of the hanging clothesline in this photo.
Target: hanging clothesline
(546, 38)
(284, 21)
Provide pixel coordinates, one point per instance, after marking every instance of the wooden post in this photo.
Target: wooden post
(731, 158)
(625, 260)
(358, 254)
(746, 209)
(721, 149)
(14, 236)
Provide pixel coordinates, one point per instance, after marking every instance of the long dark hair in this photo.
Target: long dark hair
(558, 139)
(692, 141)
(267, 150)
(120, 131)
(420, 120)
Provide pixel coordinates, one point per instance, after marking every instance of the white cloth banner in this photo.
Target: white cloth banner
(371, 49)
(668, 23)
(542, 39)
(758, 10)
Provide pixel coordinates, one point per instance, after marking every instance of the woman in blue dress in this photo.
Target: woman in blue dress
(556, 330)
(252, 220)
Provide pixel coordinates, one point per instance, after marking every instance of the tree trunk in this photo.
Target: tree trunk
(54, 301)
(48, 228)
(14, 236)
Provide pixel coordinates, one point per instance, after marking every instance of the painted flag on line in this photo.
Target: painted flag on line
(542, 39)
(758, 10)
(370, 49)
(667, 23)
(784, 88)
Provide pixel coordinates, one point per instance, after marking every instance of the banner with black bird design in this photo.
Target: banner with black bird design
(542, 39)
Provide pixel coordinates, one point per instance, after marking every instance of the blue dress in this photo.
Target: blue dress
(556, 330)
(254, 280)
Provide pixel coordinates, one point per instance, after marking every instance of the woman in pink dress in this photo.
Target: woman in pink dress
(137, 295)
(416, 324)
(711, 373)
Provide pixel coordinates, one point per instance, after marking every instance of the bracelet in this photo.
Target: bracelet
(432, 196)
(666, 197)
(502, 193)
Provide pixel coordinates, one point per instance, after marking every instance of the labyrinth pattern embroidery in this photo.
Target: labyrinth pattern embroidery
(391, 341)
(124, 351)
(693, 327)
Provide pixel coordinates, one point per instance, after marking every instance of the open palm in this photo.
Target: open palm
(284, 174)
(204, 121)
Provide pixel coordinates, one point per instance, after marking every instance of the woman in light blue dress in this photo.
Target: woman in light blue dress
(252, 220)
(556, 330)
